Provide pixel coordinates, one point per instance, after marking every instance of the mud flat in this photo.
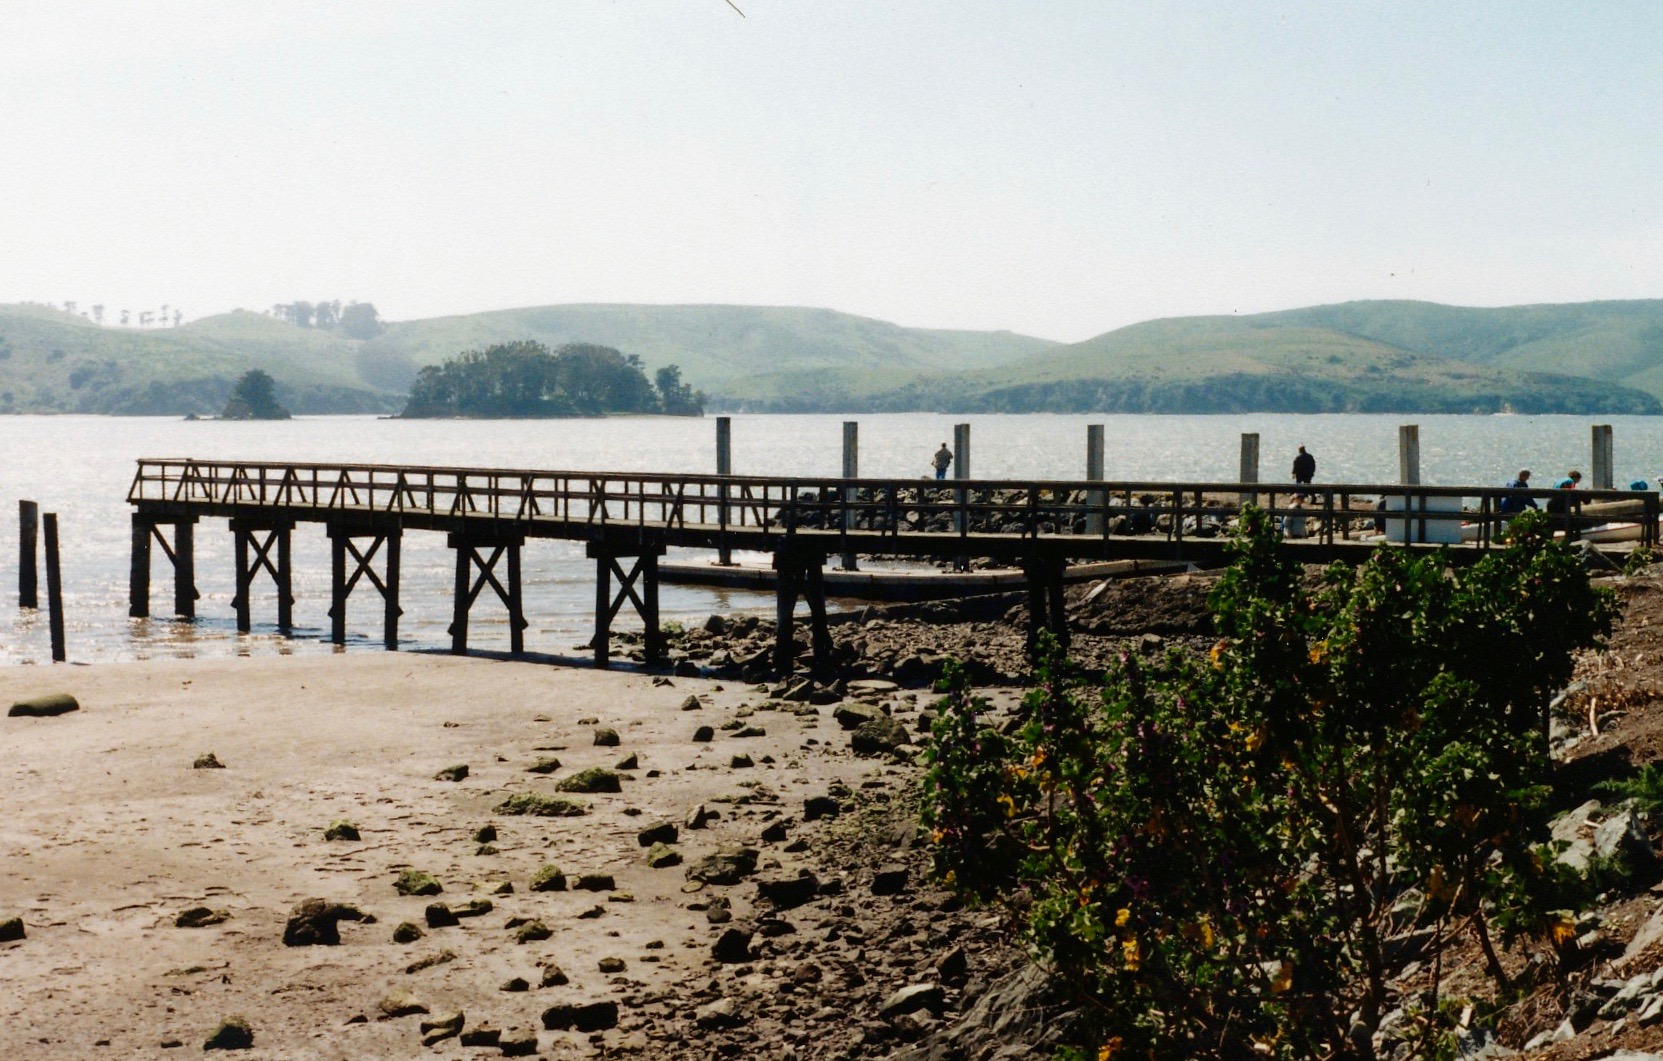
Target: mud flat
(116, 842)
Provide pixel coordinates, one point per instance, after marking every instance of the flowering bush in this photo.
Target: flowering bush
(1233, 855)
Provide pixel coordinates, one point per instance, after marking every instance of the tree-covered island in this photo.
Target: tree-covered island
(525, 379)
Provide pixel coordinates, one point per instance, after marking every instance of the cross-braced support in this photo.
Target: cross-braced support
(643, 573)
(182, 554)
(344, 544)
(799, 575)
(481, 554)
(1046, 604)
(254, 554)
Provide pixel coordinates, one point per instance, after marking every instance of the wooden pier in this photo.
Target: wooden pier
(629, 519)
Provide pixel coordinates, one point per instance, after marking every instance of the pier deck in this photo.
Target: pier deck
(628, 520)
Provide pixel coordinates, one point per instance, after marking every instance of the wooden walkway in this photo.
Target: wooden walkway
(628, 520)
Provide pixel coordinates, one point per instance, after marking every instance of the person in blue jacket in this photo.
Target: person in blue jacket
(1513, 505)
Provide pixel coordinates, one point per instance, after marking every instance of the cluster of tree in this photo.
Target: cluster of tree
(1222, 855)
(526, 379)
(355, 320)
(254, 398)
(165, 317)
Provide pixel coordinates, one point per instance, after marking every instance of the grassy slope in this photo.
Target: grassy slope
(1260, 363)
(720, 347)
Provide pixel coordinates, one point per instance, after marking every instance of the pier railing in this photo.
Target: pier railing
(558, 502)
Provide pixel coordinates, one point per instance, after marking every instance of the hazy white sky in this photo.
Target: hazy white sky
(1058, 168)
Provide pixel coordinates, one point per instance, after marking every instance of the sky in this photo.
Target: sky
(1058, 168)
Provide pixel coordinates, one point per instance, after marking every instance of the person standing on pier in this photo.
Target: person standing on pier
(943, 460)
(1304, 468)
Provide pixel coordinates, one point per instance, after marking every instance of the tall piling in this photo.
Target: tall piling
(1408, 455)
(724, 466)
(1095, 464)
(54, 588)
(851, 470)
(1249, 470)
(961, 470)
(28, 522)
(1604, 477)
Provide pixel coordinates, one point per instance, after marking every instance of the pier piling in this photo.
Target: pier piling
(724, 466)
(471, 558)
(1095, 471)
(54, 588)
(1249, 465)
(1408, 455)
(343, 545)
(28, 525)
(255, 541)
(961, 470)
(1603, 463)
(638, 585)
(851, 470)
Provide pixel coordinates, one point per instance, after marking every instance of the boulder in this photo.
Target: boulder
(720, 1014)
(44, 706)
(913, 998)
(581, 1016)
(853, 716)
(341, 829)
(658, 833)
(417, 882)
(663, 856)
(532, 932)
(606, 737)
(889, 880)
(233, 1033)
(459, 772)
(438, 915)
(788, 893)
(817, 807)
(315, 923)
(399, 1003)
(879, 736)
(548, 879)
(481, 1036)
(442, 1027)
(730, 864)
(11, 929)
(594, 779)
(209, 761)
(518, 1042)
(541, 806)
(1624, 834)
(732, 947)
(595, 882)
(407, 932)
(547, 765)
(200, 917)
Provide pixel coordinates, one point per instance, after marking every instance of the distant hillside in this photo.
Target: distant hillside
(1595, 357)
(1284, 363)
(56, 362)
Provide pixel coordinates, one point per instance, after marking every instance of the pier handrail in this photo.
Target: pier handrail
(838, 507)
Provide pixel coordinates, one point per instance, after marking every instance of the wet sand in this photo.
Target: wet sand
(108, 833)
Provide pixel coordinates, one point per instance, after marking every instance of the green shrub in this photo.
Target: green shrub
(1212, 853)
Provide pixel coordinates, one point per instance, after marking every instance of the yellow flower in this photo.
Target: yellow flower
(1562, 930)
(1121, 916)
(1109, 1049)
(1199, 932)
(1010, 806)
(1129, 950)
(1283, 980)
(1256, 739)
(1039, 757)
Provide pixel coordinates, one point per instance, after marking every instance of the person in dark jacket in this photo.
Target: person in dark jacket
(1513, 505)
(1304, 467)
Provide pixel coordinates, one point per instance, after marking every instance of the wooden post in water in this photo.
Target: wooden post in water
(724, 466)
(1095, 449)
(28, 521)
(961, 470)
(851, 470)
(1604, 477)
(54, 588)
(1249, 466)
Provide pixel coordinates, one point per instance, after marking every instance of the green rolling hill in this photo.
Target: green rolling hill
(1594, 357)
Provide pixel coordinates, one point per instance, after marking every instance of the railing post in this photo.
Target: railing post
(1408, 458)
(184, 567)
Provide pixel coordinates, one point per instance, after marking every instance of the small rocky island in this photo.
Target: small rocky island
(254, 398)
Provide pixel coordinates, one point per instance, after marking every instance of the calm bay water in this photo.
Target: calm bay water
(80, 467)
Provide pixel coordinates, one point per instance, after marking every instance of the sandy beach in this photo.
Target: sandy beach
(110, 832)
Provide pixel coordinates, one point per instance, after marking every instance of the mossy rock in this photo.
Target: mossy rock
(341, 829)
(44, 706)
(606, 737)
(207, 762)
(233, 1033)
(546, 765)
(11, 929)
(538, 805)
(594, 779)
(663, 856)
(459, 772)
(417, 882)
(532, 932)
(548, 879)
(201, 917)
(407, 932)
(485, 834)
